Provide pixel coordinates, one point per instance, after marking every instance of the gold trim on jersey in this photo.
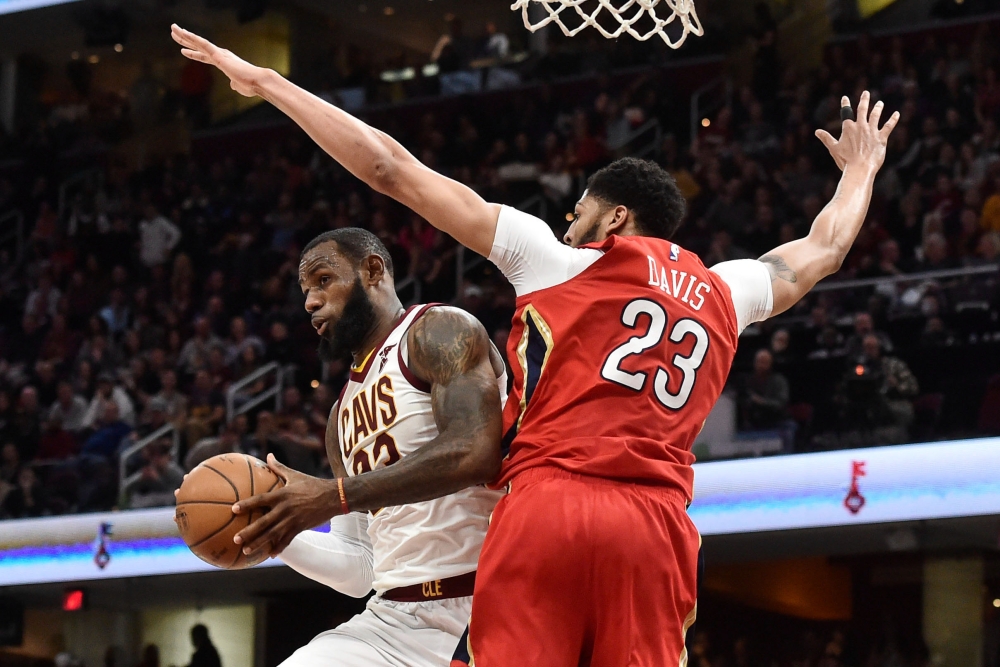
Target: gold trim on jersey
(688, 622)
(522, 351)
(361, 366)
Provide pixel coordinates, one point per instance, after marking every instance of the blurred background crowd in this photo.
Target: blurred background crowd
(159, 297)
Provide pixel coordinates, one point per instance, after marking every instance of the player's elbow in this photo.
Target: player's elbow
(385, 177)
(482, 464)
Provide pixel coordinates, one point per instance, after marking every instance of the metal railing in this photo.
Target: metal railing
(167, 430)
(835, 285)
(274, 391)
(466, 260)
(651, 129)
(701, 107)
(12, 234)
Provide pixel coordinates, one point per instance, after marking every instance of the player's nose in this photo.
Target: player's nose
(313, 302)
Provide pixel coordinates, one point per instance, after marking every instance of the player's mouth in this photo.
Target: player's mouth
(320, 325)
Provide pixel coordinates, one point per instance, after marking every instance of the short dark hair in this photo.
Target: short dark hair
(356, 243)
(646, 189)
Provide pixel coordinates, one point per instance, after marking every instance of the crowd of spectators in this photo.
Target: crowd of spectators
(151, 291)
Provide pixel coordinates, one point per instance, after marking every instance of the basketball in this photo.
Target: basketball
(204, 513)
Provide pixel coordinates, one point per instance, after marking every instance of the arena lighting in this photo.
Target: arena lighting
(996, 603)
(705, 122)
(314, 384)
(11, 6)
(74, 599)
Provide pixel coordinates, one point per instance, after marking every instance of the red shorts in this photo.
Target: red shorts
(579, 570)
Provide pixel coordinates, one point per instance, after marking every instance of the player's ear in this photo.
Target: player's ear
(619, 218)
(373, 270)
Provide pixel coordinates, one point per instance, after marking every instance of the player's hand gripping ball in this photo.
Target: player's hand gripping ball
(204, 513)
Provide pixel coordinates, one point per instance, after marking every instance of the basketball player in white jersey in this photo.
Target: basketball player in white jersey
(422, 410)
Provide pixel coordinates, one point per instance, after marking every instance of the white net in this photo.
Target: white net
(641, 19)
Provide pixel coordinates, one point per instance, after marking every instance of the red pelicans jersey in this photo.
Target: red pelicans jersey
(619, 350)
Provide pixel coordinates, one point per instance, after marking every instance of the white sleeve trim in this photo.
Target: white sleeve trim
(341, 559)
(531, 257)
(750, 284)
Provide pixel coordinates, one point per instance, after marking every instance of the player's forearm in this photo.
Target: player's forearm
(332, 560)
(367, 153)
(838, 225)
(449, 463)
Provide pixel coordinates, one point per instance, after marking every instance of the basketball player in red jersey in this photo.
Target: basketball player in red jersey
(622, 342)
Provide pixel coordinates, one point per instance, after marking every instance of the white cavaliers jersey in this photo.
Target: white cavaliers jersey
(384, 414)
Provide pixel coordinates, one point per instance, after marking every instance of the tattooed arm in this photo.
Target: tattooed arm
(449, 349)
(797, 266)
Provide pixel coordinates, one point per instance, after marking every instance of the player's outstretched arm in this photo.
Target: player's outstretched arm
(449, 349)
(372, 156)
(797, 266)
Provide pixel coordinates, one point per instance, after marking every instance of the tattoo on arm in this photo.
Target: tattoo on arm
(445, 343)
(779, 268)
(451, 350)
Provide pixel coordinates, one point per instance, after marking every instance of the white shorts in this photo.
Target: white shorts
(393, 634)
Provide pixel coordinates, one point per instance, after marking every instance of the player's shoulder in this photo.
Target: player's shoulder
(444, 337)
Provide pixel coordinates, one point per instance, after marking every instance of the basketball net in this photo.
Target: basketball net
(627, 16)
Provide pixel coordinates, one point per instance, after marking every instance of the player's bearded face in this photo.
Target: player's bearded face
(357, 319)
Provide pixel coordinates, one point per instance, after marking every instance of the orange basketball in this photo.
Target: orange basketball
(204, 512)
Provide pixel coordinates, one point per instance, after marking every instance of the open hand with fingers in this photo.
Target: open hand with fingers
(243, 77)
(862, 142)
(304, 502)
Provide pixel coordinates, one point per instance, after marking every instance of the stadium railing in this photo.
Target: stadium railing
(168, 430)
(238, 402)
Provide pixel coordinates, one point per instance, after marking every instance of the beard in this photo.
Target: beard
(358, 318)
(590, 236)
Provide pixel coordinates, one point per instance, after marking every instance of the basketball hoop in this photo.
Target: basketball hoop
(630, 13)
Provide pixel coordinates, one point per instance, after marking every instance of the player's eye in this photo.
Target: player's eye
(323, 280)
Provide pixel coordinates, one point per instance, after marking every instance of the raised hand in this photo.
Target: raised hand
(303, 502)
(243, 77)
(862, 142)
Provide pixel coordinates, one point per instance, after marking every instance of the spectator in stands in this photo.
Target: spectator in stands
(117, 314)
(176, 403)
(27, 499)
(781, 341)
(206, 408)
(279, 345)
(43, 301)
(108, 391)
(292, 407)
(299, 446)
(45, 382)
(495, 43)
(69, 408)
(27, 423)
(10, 465)
(864, 325)
(158, 237)
(878, 391)
(194, 354)
(240, 340)
(154, 485)
(764, 394)
(60, 343)
(107, 439)
(264, 439)
(228, 442)
(56, 443)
